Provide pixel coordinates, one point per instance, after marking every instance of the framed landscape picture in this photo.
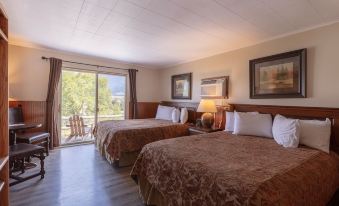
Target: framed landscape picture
(279, 76)
(182, 86)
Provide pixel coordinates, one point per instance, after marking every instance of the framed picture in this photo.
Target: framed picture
(279, 76)
(182, 86)
(214, 88)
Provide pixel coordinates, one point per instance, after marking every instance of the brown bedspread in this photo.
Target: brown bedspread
(117, 136)
(223, 169)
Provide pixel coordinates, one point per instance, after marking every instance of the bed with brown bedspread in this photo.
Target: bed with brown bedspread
(116, 138)
(223, 169)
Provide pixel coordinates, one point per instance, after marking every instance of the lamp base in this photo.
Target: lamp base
(207, 120)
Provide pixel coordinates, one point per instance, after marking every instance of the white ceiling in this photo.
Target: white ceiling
(159, 33)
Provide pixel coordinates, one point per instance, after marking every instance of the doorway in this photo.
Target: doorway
(88, 97)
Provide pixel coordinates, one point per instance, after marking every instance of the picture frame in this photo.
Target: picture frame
(214, 87)
(181, 86)
(279, 76)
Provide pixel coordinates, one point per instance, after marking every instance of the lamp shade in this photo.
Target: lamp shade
(207, 106)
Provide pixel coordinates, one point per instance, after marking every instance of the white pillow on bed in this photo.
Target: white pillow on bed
(286, 132)
(183, 115)
(253, 124)
(316, 134)
(229, 126)
(175, 115)
(164, 113)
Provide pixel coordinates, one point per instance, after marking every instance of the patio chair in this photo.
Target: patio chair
(78, 128)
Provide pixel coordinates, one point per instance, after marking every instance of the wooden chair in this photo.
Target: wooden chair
(78, 128)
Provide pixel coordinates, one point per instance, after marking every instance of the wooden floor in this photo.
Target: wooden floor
(77, 176)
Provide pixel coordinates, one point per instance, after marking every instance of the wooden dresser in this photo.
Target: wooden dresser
(3, 108)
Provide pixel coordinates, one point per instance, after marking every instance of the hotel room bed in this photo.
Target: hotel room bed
(120, 141)
(224, 169)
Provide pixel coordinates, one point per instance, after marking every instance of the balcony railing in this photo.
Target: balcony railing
(89, 121)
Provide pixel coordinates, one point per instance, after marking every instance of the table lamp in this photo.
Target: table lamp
(208, 107)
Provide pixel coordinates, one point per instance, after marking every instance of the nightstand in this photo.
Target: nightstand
(201, 130)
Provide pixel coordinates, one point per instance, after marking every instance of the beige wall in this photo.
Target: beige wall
(323, 68)
(28, 73)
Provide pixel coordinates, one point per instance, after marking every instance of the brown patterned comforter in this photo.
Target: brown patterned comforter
(223, 169)
(117, 136)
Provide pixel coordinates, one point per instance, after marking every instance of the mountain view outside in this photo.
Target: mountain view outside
(79, 101)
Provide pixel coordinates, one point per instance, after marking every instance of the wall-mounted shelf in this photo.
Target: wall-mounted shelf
(2, 184)
(3, 162)
(3, 35)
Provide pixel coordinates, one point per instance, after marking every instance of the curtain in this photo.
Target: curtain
(52, 110)
(132, 73)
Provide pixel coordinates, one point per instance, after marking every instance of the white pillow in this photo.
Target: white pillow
(183, 115)
(164, 113)
(316, 134)
(253, 124)
(229, 126)
(175, 115)
(286, 132)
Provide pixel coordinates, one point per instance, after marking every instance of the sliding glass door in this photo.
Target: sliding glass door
(111, 97)
(86, 98)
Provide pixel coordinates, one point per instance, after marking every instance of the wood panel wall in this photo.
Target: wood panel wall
(145, 110)
(33, 111)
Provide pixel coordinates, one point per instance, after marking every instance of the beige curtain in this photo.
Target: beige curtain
(132, 73)
(52, 110)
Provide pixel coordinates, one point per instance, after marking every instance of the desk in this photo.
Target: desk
(14, 128)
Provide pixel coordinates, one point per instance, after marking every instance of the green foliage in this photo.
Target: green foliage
(78, 94)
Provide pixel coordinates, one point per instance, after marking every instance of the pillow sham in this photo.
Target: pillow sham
(253, 124)
(316, 134)
(286, 132)
(175, 115)
(164, 113)
(183, 115)
(229, 126)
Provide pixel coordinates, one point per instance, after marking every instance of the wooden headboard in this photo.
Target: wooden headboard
(300, 113)
(191, 108)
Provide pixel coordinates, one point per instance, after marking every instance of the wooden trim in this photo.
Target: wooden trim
(300, 113)
(145, 110)
(4, 139)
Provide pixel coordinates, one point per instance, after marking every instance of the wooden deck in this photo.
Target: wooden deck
(77, 176)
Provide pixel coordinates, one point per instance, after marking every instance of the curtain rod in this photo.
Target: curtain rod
(94, 65)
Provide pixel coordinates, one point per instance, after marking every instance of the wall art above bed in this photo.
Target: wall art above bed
(182, 86)
(279, 76)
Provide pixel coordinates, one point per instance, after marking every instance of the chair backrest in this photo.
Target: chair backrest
(15, 115)
(77, 125)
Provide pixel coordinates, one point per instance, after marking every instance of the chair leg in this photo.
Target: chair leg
(23, 165)
(42, 164)
(47, 148)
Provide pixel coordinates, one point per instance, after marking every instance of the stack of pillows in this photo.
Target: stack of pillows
(285, 131)
(172, 114)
